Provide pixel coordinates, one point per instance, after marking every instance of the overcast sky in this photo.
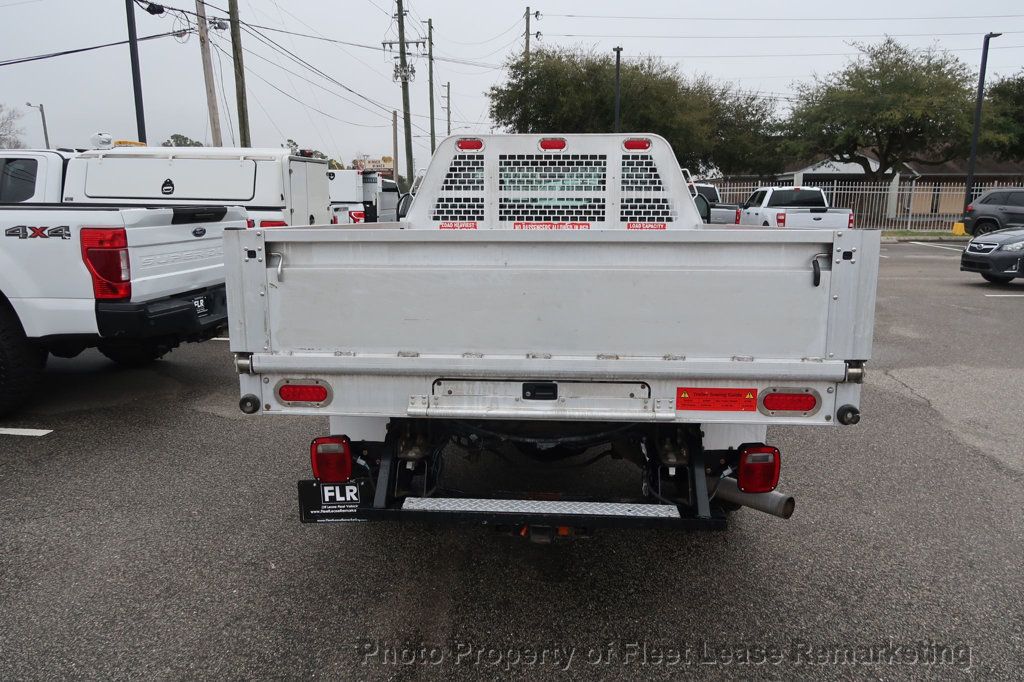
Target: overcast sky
(733, 41)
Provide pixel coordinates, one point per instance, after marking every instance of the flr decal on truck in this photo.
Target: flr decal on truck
(716, 399)
(30, 232)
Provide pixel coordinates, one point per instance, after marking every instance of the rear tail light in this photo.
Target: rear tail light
(789, 402)
(849, 223)
(553, 144)
(331, 458)
(780, 219)
(738, 212)
(970, 208)
(758, 470)
(105, 253)
(304, 392)
(334, 219)
(637, 143)
(356, 216)
(470, 144)
(250, 223)
(273, 223)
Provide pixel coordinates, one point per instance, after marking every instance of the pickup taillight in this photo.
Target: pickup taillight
(849, 223)
(105, 254)
(780, 219)
(738, 212)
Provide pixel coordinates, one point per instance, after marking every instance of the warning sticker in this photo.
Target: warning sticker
(458, 225)
(646, 226)
(717, 399)
(550, 226)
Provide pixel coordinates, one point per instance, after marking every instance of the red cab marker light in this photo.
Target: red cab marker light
(331, 459)
(637, 143)
(553, 144)
(273, 223)
(758, 470)
(470, 144)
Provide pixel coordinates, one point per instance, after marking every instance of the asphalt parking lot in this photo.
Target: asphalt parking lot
(154, 533)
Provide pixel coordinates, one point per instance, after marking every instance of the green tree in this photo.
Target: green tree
(896, 103)
(179, 140)
(1003, 121)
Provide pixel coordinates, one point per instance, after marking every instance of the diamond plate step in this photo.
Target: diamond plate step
(556, 507)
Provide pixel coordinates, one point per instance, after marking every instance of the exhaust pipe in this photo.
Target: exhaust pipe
(774, 503)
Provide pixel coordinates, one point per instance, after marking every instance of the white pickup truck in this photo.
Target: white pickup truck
(134, 282)
(721, 213)
(794, 207)
(560, 295)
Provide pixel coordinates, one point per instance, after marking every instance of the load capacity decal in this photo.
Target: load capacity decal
(458, 225)
(716, 399)
(551, 226)
(646, 226)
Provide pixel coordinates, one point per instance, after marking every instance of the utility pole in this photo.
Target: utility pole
(448, 104)
(618, 87)
(42, 113)
(968, 194)
(133, 50)
(430, 78)
(526, 54)
(236, 52)
(394, 144)
(405, 76)
(211, 92)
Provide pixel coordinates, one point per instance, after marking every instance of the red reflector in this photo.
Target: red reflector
(250, 223)
(759, 469)
(105, 254)
(470, 144)
(738, 212)
(780, 219)
(970, 208)
(553, 144)
(302, 393)
(273, 223)
(790, 402)
(637, 143)
(331, 457)
(357, 216)
(849, 223)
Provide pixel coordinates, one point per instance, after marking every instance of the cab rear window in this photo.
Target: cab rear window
(17, 180)
(800, 198)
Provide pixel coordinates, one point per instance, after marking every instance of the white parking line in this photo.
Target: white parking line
(938, 246)
(220, 338)
(24, 432)
(1004, 295)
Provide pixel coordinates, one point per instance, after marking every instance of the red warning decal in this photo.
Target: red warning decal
(646, 226)
(716, 399)
(550, 226)
(458, 225)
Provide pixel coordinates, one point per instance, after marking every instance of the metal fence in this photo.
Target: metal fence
(913, 205)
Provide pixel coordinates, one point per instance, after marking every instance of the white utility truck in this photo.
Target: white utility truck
(133, 281)
(793, 207)
(277, 188)
(361, 197)
(560, 294)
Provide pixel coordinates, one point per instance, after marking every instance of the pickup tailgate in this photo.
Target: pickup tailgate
(177, 249)
(383, 315)
(819, 218)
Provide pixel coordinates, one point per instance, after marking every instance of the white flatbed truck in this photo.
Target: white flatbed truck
(560, 293)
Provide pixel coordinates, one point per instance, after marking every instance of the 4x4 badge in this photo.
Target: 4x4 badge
(30, 232)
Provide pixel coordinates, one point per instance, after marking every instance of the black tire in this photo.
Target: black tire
(21, 362)
(984, 227)
(135, 353)
(996, 279)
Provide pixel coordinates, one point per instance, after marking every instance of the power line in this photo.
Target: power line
(489, 40)
(760, 55)
(767, 37)
(785, 19)
(50, 55)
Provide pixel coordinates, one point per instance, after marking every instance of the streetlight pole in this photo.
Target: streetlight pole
(972, 159)
(618, 87)
(42, 113)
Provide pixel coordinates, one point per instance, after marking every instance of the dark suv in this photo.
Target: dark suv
(994, 210)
